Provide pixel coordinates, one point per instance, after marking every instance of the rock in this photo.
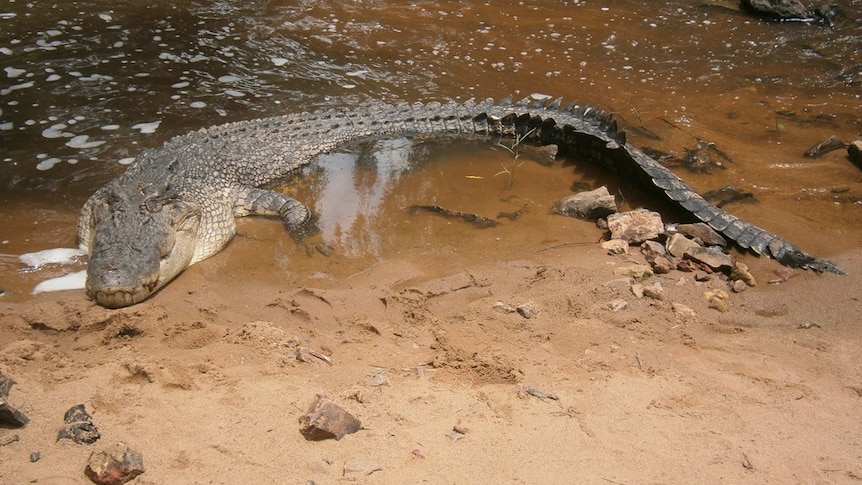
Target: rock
(719, 304)
(738, 286)
(503, 307)
(720, 294)
(635, 226)
(653, 249)
(638, 290)
(636, 271)
(677, 244)
(778, 9)
(617, 305)
(527, 310)
(615, 247)
(35, 456)
(702, 232)
(590, 205)
(78, 426)
(654, 291)
(115, 465)
(830, 144)
(710, 257)
(740, 272)
(8, 414)
(854, 151)
(378, 378)
(326, 420)
(661, 265)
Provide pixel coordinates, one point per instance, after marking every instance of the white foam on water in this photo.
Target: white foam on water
(228, 78)
(52, 77)
(6, 50)
(279, 61)
(106, 17)
(16, 87)
(198, 104)
(51, 256)
(12, 72)
(150, 127)
(181, 84)
(110, 127)
(234, 93)
(7, 126)
(126, 161)
(82, 141)
(56, 131)
(71, 281)
(47, 164)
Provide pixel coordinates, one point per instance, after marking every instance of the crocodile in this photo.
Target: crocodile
(176, 204)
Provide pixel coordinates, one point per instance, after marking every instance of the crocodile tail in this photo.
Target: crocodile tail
(593, 133)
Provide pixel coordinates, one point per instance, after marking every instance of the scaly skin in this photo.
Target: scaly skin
(176, 205)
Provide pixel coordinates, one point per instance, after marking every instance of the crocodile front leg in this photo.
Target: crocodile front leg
(261, 202)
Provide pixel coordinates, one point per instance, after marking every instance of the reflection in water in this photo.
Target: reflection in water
(351, 193)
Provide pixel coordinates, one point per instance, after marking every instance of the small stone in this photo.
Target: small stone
(661, 265)
(654, 291)
(590, 205)
(738, 286)
(615, 247)
(635, 226)
(740, 272)
(115, 465)
(638, 290)
(78, 426)
(35, 456)
(854, 151)
(326, 420)
(717, 293)
(378, 378)
(503, 307)
(710, 257)
(617, 305)
(719, 304)
(701, 275)
(653, 249)
(527, 310)
(636, 271)
(703, 232)
(677, 244)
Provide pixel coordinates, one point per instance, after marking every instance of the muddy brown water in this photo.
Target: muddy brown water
(86, 86)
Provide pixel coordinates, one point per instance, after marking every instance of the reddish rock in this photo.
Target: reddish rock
(635, 226)
(115, 465)
(326, 420)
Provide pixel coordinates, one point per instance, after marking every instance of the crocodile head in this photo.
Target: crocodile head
(141, 236)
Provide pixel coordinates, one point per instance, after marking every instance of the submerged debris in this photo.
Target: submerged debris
(830, 144)
(475, 219)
